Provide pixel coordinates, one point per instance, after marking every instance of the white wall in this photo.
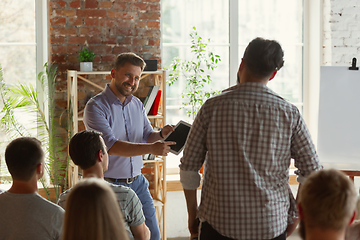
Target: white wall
(341, 32)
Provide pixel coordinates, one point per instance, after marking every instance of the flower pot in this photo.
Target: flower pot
(86, 66)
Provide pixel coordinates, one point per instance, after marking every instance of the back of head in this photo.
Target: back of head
(84, 147)
(328, 200)
(92, 212)
(22, 156)
(131, 58)
(262, 57)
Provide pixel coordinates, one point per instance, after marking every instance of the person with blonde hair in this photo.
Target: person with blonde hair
(92, 213)
(327, 205)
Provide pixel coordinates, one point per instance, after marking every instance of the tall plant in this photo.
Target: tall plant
(24, 97)
(194, 73)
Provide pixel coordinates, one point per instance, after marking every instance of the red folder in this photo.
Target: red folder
(155, 107)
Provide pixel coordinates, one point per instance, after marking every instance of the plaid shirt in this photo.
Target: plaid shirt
(248, 136)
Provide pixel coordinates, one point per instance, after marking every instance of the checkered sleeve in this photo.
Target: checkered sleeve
(302, 149)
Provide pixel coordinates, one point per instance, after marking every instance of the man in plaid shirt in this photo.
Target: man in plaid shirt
(247, 135)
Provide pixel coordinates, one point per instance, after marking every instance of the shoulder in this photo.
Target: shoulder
(51, 207)
(62, 198)
(123, 193)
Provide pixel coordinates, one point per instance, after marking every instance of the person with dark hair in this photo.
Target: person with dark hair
(327, 205)
(127, 132)
(88, 151)
(24, 213)
(246, 137)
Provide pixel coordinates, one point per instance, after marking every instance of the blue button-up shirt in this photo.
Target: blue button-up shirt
(126, 122)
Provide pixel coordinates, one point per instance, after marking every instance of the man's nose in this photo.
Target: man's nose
(132, 80)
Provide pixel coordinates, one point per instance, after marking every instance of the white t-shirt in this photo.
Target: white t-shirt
(29, 216)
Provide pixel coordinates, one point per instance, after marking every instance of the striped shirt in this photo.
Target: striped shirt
(248, 136)
(129, 202)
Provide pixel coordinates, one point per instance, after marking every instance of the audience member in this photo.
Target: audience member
(24, 213)
(327, 205)
(88, 151)
(92, 213)
(246, 137)
(353, 231)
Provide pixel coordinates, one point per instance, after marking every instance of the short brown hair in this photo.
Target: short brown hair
(263, 57)
(328, 199)
(22, 156)
(129, 57)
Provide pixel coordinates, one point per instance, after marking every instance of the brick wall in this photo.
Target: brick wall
(108, 27)
(341, 32)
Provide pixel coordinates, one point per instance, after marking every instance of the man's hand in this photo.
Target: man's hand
(167, 129)
(193, 225)
(161, 148)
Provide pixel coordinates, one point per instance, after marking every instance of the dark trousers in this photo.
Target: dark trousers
(207, 232)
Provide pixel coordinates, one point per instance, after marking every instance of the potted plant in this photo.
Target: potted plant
(194, 73)
(86, 57)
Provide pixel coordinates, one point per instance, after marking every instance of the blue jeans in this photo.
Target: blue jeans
(141, 188)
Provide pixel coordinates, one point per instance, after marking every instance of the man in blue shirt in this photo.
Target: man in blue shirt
(127, 132)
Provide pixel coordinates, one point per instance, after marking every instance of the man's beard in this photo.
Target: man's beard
(121, 89)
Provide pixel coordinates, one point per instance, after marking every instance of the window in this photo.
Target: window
(22, 50)
(231, 25)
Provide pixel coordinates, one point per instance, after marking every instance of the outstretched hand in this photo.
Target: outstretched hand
(161, 148)
(167, 129)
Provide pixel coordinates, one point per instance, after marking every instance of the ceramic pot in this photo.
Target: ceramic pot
(86, 66)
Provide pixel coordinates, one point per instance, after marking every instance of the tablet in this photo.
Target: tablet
(179, 135)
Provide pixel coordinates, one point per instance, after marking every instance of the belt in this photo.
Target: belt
(126, 180)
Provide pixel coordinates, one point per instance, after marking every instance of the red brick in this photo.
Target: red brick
(153, 7)
(97, 58)
(106, 5)
(73, 58)
(57, 4)
(91, 13)
(58, 21)
(109, 40)
(108, 58)
(64, 31)
(58, 58)
(75, 21)
(153, 24)
(76, 40)
(124, 23)
(154, 42)
(75, 4)
(150, 16)
(101, 49)
(64, 13)
(127, 31)
(104, 22)
(140, 41)
(124, 40)
(113, 14)
(58, 49)
(128, 15)
(91, 21)
(91, 3)
(120, 5)
(140, 24)
(148, 33)
(94, 39)
(121, 49)
(91, 31)
(57, 39)
(73, 49)
(137, 6)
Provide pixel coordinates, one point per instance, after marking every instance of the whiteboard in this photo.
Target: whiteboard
(339, 118)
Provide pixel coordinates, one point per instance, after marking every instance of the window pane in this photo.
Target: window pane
(280, 20)
(17, 21)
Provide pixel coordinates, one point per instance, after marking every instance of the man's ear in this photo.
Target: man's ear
(113, 73)
(272, 75)
(301, 213)
(100, 156)
(40, 170)
(353, 218)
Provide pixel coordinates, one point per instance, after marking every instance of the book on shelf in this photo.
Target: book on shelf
(155, 107)
(149, 100)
